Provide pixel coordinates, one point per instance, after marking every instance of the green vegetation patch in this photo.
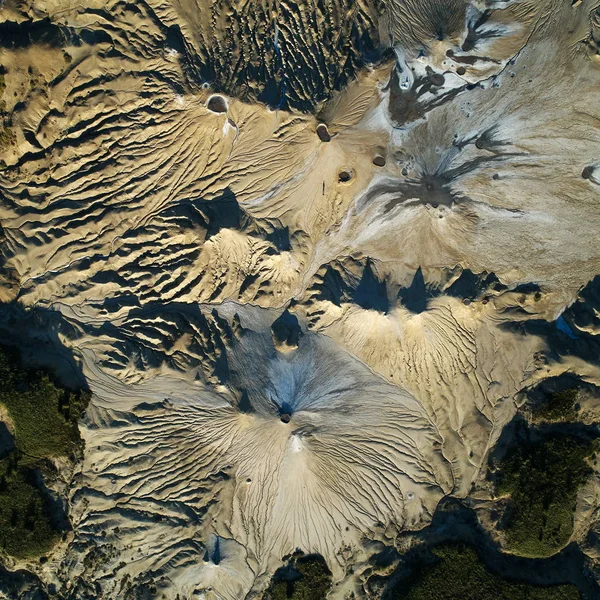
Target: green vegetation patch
(43, 414)
(44, 418)
(305, 578)
(26, 527)
(542, 479)
(460, 575)
(558, 406)
(7, 135)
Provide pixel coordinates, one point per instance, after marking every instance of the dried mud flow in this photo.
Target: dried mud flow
(305, 255)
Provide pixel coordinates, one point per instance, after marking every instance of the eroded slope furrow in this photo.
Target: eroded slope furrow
(305, 255)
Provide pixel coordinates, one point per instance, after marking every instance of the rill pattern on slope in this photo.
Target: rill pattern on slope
(296, 340)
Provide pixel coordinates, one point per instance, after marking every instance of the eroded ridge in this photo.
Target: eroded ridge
(306, 256)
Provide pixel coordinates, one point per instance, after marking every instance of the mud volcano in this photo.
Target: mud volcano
(323, 132)
(217, 104)
(310, 258)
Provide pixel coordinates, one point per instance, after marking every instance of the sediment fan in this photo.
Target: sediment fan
(306, 255)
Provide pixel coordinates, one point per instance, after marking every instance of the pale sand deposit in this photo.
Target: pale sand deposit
(304, 312)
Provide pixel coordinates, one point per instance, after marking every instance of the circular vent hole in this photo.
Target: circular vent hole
(323, 132)
(217, 104)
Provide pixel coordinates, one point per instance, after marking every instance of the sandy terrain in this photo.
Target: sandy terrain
(306, 256)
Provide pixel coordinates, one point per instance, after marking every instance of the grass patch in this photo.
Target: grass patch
(458, 574)
(542, 479)
(304, 578)
(558, 406)
(44, 417)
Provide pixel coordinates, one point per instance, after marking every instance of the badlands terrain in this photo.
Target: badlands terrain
(316, 263)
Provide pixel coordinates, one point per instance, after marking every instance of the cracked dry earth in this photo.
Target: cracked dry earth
(305, 256)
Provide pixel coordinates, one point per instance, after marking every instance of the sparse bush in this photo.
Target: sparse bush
(7, 136)
(558, 406)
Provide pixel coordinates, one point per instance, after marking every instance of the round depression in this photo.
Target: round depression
(217, 104)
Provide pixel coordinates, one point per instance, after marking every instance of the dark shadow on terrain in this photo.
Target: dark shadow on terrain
(474, 34)
(43, 32)
(174, 39)
(468, 286)
(358, 283)
(585, 312)
(244, 404)
(369, 292)
(7, 443)
(472, 285)
(286, 329)
(213, 551)
(21, 584)
(223, 212)
(567, 334)
(528, 288)
(416, 297)
(280, 238)
(332, 287)
(35, 333)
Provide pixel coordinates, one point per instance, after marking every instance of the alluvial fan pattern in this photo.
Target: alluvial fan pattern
(306, 255)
